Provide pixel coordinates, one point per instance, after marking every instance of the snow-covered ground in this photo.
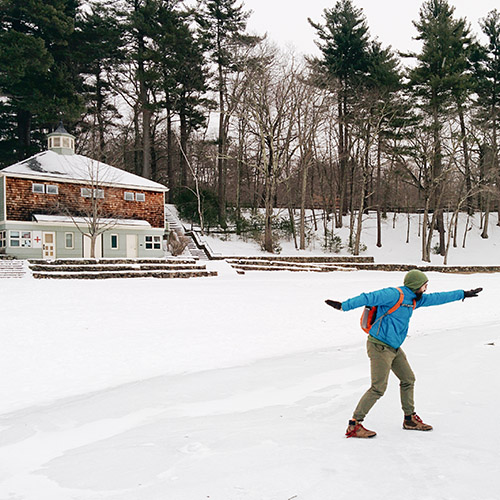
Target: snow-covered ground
(394, 235)
(239, 388)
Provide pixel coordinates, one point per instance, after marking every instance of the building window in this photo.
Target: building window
(26, 239)
(45, 188)
(15, 239)
(3, 242)
(69, 240)
(128, 196)
(95, 193)
(140, 197)
(153, 242)
(20, 239)
(114, 242)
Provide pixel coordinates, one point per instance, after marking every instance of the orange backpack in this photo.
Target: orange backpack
(369, 315)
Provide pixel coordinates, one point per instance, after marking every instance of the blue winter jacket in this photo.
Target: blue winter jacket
(392, 329)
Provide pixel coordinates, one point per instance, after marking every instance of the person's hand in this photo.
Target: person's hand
(334, 304)
(472, 293)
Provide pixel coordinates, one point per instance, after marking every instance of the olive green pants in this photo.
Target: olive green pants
(383, 359)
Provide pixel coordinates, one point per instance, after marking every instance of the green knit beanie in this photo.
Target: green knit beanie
(414, 279)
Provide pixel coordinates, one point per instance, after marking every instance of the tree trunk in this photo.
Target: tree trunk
(465, 147)
(484, 234)
(448, 240)
(184, 145)
(291, 216)
(146, 143)
(170, 156)
(221, 147)
(359, 222)
(408, 224)
(268, 196)
(137, 143)
(441, 230)
(303, 195)
(93, 238)
(379, 213)
(23, 134)
(239, 163)
(341, 183)
(437, 170)
(426, 233)
(268, 233)
(145, 109)
(101, 156)
(466, 230)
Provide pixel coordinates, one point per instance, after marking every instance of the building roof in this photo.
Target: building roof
(86, 220)
(77, 168)
(61, 130)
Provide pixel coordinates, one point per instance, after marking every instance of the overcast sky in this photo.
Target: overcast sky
(285, 21)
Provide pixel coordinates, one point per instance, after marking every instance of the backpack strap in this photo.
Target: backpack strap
(392, 309)
(398, 303)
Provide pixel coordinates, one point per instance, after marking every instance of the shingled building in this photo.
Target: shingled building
(51, 203)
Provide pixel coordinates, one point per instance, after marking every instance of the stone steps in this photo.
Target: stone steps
(11, 268)
(322, 259)
(119, 268)
(116, 268)
(195, 251)
(315, 263)
(268, 265)
(169, 260)
(124, 274)
(320, 264)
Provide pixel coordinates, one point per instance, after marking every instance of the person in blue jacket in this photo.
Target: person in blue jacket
(385, 337)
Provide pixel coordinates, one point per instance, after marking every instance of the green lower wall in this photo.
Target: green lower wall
(77, 251)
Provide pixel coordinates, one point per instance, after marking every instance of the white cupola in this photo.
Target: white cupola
(61, 142)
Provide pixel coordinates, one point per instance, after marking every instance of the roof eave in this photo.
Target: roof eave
(81, 181)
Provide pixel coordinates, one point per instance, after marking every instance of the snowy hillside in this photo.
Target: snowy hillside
(240, 387)
(395, 249)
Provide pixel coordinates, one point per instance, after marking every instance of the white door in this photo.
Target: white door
(132, 250)
(86, 247)
(49, 245)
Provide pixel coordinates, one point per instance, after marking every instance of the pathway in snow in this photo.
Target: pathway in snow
(271, 430)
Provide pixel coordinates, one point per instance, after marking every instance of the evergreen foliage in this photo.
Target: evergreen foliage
(38, 79)
(139, 82)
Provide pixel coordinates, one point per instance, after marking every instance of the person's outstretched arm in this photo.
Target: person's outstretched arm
(384, 297)
(438, 298)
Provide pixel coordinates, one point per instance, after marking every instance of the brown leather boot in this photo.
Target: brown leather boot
(356, 430)
(414, 423)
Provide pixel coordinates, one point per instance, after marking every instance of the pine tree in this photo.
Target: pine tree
(38, 79)
(222, 25)
(181, 66)
(98, 49)
(437, 81)
(488, 91)
(140, 32)
(344, 43)
(384, 81)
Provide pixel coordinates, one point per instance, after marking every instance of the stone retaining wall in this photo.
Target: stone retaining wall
(110, 274)
(424, 268)
(300, 258)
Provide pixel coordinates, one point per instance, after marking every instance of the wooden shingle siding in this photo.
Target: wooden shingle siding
(22, 203)
(2, 199)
